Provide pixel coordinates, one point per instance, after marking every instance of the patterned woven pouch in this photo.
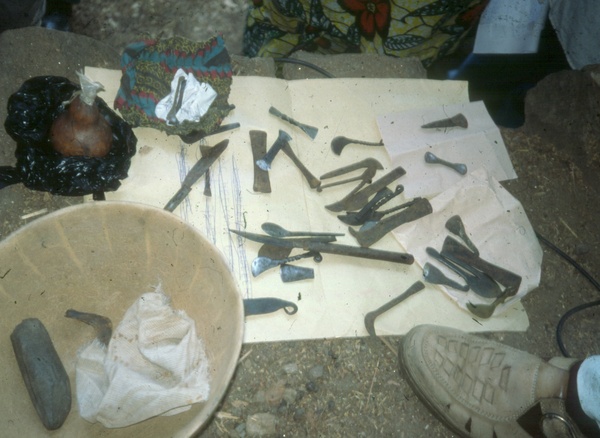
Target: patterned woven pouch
(148, 69)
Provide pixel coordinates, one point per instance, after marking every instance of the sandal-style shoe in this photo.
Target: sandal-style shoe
(481, 388)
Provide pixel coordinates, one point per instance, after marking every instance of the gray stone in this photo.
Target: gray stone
(316, 372)
(289, 395)
(260, 396)
(290, 368)
(354, 66)
(261, 424)
(299, 414)
(244, 66)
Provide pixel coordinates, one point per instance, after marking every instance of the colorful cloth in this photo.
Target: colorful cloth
(148, 69)
(427, 29)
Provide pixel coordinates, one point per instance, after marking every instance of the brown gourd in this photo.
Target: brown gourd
(81, 130)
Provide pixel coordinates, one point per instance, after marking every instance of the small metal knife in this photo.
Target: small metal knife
(195, 173)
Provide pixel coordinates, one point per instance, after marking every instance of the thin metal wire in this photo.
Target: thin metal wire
(305, 64)
(574, 310)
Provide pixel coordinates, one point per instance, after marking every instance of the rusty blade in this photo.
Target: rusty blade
(205, 152)
(457, 121)
(311, 131)
(312, 180)
(367, 163)
(258, 142)
(340, 142)
(195, 173)
(274, 252)
(414, 210)
(355, 201)
(265, 162)
(329, 248)
(372, 316)
(370, 166)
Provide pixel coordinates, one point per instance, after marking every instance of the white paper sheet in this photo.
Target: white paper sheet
(496, 223)
(480, 145)
(344, 288)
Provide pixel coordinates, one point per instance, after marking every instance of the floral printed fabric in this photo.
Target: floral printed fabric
(427, 29)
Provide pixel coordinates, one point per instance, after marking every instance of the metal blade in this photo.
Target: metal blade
(311, 131)
(195, 173)
(357, 200)
(258, 143)
(329, 248)
(312, 180)
(414, 210)
(459, 121)
(290, 273)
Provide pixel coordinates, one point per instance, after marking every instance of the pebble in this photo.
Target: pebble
(274, 394)
(289, 395)
(290, 368)
(311, 386)
(260, 396)
(241, 429)
(316, 372)
(261, 424)
(282, 408)
(299, 414)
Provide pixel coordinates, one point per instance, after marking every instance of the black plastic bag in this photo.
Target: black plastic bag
(31, 111)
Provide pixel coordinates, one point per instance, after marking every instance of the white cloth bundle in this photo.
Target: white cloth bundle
(197, 98)
(154, 364)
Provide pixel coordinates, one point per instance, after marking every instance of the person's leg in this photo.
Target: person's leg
(479, 387)
(583, 397)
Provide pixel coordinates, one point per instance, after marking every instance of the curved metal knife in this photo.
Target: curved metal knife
(197, 170)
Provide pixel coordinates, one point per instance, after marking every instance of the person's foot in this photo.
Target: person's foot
(481, 388)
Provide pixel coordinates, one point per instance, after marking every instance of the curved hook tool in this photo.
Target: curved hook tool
(260, 306)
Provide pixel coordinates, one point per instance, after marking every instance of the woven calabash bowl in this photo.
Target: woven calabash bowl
(100, 257)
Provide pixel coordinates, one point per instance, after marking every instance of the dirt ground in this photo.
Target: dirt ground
(353, 387)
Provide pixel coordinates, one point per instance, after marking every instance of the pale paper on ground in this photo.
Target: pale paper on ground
(480, 145)
(496, 223)
(344, 288)
(494, 219)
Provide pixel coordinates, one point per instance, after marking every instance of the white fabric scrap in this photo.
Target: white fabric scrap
(154, 364)
(511, 27)
(197, 98)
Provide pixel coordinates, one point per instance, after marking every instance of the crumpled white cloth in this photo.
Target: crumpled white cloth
(197, 98)
(154, 364)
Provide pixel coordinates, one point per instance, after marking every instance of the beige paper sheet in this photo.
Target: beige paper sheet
(496, 223)
(480, 145)
(344, 289)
